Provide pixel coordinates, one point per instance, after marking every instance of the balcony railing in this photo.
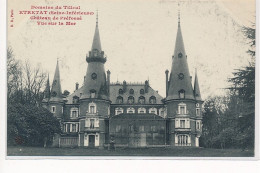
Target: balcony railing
(181, 113)
(182, 129)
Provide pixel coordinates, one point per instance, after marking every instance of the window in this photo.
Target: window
(121, 91)
(198, 111)
(141, 100)
(153, 111)
(92, 93)
(197, 105)
(181, 94)
(152, 100)
(75, 100)
(119, 100)
(92, 108)
(141, 91)
(130, 110)
(198, 125)
(119, 111)
(53, 109)
(73, 128)
(74, 112)
(182, 123)
(92, 123)
(131, 100)
(131, 91)
(182, 109)
(183, 140)
(141, 110)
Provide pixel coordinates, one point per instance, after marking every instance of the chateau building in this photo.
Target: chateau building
(129, 114)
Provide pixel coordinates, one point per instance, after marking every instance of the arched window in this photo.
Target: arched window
(131, 91)
(119, 111)
(74, 112)
(141, 91)
(182, 94)
(141, 100)
(141, 110)
(75, 100)
(130, 110)
(131, 100)
(119, 100)
(153, 111)
(92, 108)
(120, 91)
(92, 93)
(152, 100)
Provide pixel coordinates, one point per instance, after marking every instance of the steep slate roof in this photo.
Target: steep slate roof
(56, 86)
(114, 93)
(179, 65)
(96, 40)
(75, 93)
(197, 88)
(138, 117)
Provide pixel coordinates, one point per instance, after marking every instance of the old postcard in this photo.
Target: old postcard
(153, 79)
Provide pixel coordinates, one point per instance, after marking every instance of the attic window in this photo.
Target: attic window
(152, 100)
(119, 99)
(131, 100)
(75, 99)
(182, 94)
(141, 91)
(131, 91)
(120, 91)
(92, 93)
(141, 100)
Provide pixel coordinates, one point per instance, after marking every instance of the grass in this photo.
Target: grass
(163, 152)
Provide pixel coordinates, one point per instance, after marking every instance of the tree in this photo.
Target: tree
(30, 125)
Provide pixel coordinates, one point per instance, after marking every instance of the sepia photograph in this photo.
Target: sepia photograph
(134, 79)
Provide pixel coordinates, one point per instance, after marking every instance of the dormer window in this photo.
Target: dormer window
(141, 100)
(153, 111)
(75, 100)
(141, 91)
(119, 100)
(93, 93)
(130, 110)
(152, 100)
(131, 91)
(121, 91)
(141, 110)
(182, 94)
(131, 100)
(119, 111)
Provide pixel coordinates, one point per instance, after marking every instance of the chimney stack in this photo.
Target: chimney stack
(124, 86)
(146, 86)
(108, 81)
(77, 86)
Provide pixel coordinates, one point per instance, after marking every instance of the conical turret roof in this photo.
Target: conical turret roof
(180, 80)
(96, 40)
(196, 88)
(56, 85)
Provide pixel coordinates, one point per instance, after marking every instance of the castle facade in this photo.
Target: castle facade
(127, 114)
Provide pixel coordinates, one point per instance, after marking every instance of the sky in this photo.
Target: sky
(138, 38)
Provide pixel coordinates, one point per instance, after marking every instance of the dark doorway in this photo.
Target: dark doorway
(91, 141)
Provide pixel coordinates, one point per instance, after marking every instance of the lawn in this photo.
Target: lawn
(163, 152)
